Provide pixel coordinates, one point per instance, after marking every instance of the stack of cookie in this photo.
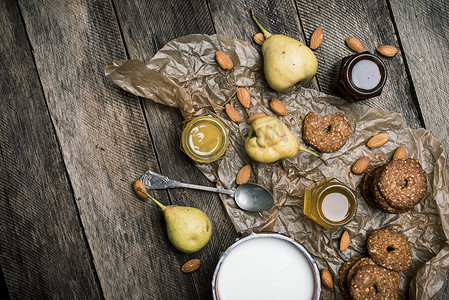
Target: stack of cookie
(395, 187)
(376, 277)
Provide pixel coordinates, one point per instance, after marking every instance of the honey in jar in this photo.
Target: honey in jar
(330, 203)
(361, 76)
(205, 139)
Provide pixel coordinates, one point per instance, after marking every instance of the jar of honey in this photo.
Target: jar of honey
(361, 76)
(330, 203)
(205, 139)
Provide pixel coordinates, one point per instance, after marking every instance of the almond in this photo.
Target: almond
(243, 175)
(344, 241)
(387, 50)
(191, 265)
(327, 279)
(278, 107)
(244, 96)
(317, 38)
(233, 114)
(400, 153)
(259, 38)
(355, 44)
(140, 190)
(255, 116)
(361, 165)
(377, 140)
(223, 60)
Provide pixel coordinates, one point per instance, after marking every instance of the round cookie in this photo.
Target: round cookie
(374, 282)
(365, 261)
(389, 249)
(378, 198)
(403, 183)
(328, 133)
(343, 275)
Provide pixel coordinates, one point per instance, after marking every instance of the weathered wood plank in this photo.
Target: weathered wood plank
(423, 28)
(145, 33)
(106, 145)
(43, 252)
(373, 26)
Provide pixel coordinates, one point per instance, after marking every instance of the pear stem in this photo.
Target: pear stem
(162, 206)
(301, 148)
(264, 31)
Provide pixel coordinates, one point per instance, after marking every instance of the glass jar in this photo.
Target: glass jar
(361, 76)
(205, 139)
(330, 203)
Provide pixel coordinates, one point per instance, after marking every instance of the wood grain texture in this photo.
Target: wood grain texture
(43, 251)
(105, 144)
(424, 33)
(368, 21)
(162, 25)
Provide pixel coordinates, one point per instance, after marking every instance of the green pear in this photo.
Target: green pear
(288, 63)
(188, 228)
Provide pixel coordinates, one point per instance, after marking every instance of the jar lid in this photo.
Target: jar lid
(205, 139)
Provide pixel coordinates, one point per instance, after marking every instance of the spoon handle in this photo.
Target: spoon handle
(177, 184)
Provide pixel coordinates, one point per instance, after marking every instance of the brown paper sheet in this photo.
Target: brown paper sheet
(184, 74)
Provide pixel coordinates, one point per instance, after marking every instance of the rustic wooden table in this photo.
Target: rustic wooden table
(71, 143)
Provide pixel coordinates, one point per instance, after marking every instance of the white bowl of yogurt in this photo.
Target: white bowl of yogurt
(266, 266)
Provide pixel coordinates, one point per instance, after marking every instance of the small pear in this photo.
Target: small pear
(288, 63)
(188, 228)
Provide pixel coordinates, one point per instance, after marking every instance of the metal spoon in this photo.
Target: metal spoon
(249, 196)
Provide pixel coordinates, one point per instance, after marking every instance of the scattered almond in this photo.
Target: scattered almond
(377, 140)
(191, 265)
(387, 50)
(255, 116)
(140, 190)
(243, 175)
(259, 38)
(361, 165)
(232, 113)
(355, 44)
(223, 60)
(327, 279)
(278, 107)
(400, 153)
(344, 241)
(244, 96)
(317, 38)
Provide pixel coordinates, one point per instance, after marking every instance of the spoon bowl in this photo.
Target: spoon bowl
(253, 197)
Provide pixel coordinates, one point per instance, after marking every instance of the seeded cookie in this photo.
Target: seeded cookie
(389, 249)
(365, 261)
(328, 133)
(403, 183)
(343, 275)
(378, 198)
(374, 282)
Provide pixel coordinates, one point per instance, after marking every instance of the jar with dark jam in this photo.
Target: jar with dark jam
(361, 76)
(330, 203)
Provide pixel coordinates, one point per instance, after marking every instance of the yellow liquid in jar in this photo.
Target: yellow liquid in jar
(205, 138)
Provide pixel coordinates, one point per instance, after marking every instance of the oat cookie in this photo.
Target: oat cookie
(403, 183)
(374, 282)
(389, 249)
(365, 261)
(343, 275)
(365, 185)
(378, 198)
(328, 133)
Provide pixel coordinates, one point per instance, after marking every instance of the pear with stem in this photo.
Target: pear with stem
(188, 228)
(288, 63)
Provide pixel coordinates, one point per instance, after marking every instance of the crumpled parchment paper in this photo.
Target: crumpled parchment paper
(184, 74)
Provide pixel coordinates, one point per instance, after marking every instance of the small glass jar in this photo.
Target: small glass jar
(361, 76)
(205, 139)
(330, 203)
